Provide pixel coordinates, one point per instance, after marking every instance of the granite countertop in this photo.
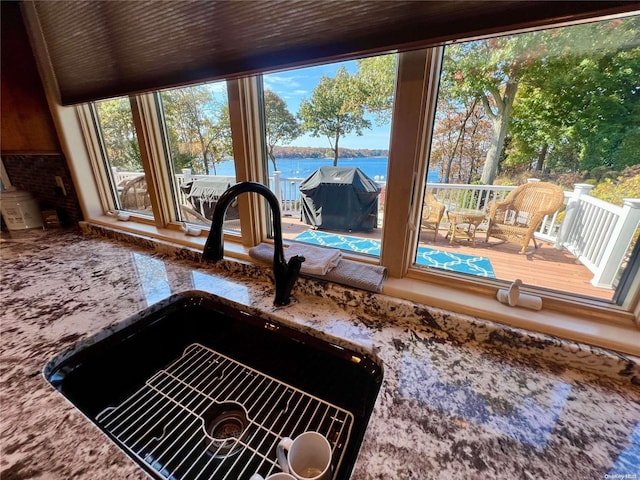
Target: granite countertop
(461, 397)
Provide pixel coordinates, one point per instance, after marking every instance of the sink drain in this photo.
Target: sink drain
(224, 424)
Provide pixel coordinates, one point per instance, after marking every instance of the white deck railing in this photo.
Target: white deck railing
(598, 233)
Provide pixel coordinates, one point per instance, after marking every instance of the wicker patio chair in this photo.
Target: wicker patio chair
(432, 211)
(519, 215)
(135, 195)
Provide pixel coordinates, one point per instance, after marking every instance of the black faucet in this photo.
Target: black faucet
(285, 273)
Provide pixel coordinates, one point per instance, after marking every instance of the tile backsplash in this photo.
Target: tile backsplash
(37, 174)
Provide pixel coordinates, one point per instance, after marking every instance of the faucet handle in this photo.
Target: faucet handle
(295, 263)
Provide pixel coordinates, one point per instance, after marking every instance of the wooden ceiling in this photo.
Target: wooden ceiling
(100, 49)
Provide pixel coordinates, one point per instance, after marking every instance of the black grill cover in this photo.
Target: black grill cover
(340, 198)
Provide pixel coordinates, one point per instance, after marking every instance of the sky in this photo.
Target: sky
(295, 85)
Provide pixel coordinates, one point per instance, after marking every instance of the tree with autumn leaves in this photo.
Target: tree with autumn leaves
(198, 127)
(563, 99)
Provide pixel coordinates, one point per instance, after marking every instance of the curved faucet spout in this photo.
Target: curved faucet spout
(285, 273)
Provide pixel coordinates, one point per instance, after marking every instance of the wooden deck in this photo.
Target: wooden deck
(542, 267)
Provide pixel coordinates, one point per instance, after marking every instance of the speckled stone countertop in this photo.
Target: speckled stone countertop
(462, 398)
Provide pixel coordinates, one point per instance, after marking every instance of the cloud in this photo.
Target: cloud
(276, 81)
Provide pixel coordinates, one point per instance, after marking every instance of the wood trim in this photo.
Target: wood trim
(155, 163)
(415, 96)
(247, 146)
(592, 309)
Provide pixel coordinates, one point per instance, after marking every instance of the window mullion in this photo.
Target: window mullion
(413, 113)
(149, 131)
(246, 135)
(87, 122)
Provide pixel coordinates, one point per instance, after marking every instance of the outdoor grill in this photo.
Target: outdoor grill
(203, 195)
(340, 198)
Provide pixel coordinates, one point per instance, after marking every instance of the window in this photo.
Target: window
(519, 112)
(327, 131)
(425, 126)
(198, 135)
(121, 155)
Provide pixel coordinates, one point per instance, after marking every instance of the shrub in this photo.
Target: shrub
(626, 185)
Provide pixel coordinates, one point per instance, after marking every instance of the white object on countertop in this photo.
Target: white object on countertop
(514, 298)
(20, 210)
(191, 231)
(275, 476)
(119, 215)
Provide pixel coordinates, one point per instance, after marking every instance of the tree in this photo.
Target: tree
(199, 124)
(281, 126)
(572, 89)
(335, 109)
(582, 97)
(491, 70)
(119, 134)
(376, 81)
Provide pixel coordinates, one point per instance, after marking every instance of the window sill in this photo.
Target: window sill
(623, 337)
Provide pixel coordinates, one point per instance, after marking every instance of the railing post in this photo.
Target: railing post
(187, 174)
(618, 243)
(571, 213)
(276, 186)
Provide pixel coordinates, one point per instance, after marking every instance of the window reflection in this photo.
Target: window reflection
(529, 421)
(152, 274)
(218, 286)
(628, 462)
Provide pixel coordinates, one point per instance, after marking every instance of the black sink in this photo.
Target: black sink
(198, 387)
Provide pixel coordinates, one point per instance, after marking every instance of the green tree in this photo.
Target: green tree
(491, 70)
(334, 110)
(583, 92)
(375, 80)
(559, 91)
(281, 126)
(198, 125)
(119, 134)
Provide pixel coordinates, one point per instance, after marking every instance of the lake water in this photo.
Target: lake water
(373, 167)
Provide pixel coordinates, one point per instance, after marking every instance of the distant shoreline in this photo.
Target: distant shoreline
(321, 153)
(300, 168)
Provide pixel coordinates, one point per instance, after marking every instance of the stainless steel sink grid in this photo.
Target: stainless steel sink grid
(207, 416)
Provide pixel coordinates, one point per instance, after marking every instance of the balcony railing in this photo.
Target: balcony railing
(598, 233)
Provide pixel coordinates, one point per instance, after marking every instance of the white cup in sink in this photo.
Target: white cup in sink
(275, 476)
(307, 457)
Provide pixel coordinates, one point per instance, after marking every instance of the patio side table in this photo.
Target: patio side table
(458, 217)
